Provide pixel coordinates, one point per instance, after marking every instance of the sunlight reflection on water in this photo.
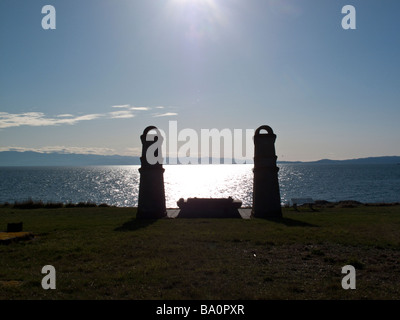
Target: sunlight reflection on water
(119, 185)
(208, 181)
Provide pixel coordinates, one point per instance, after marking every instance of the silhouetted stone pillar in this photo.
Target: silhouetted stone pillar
(266, 195)
(151, 188)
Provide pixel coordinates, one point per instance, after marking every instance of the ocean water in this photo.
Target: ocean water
(119, 185)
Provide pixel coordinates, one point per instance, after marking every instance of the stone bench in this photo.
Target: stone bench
(209, 208)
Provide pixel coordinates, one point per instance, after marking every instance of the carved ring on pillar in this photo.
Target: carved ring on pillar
(264, 127)
(149, 128)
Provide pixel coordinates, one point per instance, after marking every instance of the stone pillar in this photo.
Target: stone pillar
(151, 188)
(266, 195)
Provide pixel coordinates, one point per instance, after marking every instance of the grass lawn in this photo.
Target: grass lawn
(105, 253)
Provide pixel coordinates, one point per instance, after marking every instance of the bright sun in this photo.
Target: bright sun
(193, 1)
(211, 4)
(202, 18)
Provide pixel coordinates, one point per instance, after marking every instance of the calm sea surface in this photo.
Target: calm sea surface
(119, 185)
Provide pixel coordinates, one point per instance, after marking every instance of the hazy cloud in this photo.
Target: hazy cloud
(134, 151)
(167, 114)
(121, 106)
(66, 115)
(38, 119)
(128, 113)
(86, 117)
(121, 114)
(128, 106)
(63, 149)
(140, 108)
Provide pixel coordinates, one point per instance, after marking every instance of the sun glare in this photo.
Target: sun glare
(194, 1)
(207, 181)
(196, 4)
(201, 18)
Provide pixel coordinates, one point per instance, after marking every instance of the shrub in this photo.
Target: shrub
(54, 205)
(29, 204)
(103, 205)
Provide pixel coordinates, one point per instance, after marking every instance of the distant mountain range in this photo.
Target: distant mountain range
(369, 160)
(30, 158)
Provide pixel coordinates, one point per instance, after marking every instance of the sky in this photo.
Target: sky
(111, 68)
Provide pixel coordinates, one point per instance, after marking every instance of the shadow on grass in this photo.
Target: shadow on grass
(135, 224)
(291, 222)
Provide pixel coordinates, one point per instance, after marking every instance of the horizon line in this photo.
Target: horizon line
(232, 160)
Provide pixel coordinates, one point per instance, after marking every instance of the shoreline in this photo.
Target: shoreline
(31, 204)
